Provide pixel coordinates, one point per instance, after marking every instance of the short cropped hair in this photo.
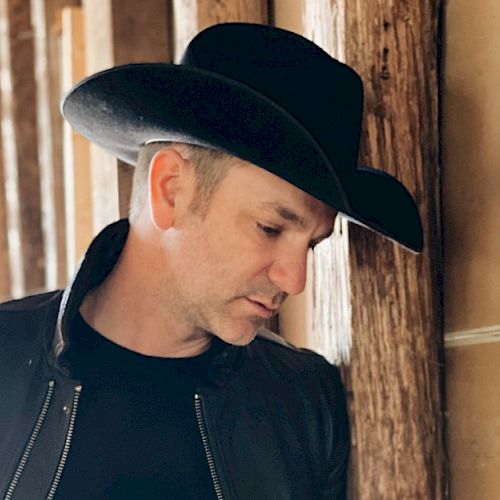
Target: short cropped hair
(210, 166)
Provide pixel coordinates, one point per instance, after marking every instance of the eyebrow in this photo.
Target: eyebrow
(290, 216)
(287, 214)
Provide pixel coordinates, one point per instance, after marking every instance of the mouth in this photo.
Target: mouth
(261, 309)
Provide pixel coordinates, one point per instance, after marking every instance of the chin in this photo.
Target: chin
(240, 335)
(240, 341)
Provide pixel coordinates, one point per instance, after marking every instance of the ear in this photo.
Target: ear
(165, 171)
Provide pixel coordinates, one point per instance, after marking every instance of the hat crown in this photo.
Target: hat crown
(324, 95)
(263, 94)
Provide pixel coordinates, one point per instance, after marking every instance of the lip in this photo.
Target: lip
(261, 309)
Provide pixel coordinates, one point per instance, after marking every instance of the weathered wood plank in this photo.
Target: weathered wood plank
(223, 11)
(20, 117)
(124, 34)
(53, 50)
(99, 55)
(192, 16)
(125, 176)
(396, 374)
(139, 35)
(44, 20)
(77, 180)
(5, 291)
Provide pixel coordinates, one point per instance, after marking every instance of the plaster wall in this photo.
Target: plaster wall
(471, 226)
(471, 168)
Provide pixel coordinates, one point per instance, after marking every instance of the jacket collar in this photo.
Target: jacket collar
(97, 263)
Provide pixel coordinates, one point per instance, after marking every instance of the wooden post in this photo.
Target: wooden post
(4, 249)
(192, 16)
(123, 34)
(99, 56)
(396, 373)
(77, 179)
(139, 35)
(20, 146)
(209, 12)
(48, 94)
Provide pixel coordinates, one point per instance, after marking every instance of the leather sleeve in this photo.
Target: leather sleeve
(338, 445)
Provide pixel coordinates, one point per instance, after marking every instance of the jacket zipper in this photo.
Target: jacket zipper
(67, 444)
(31, 441)
(206, 446)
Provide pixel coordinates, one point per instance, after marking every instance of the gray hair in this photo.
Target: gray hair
(210, 166)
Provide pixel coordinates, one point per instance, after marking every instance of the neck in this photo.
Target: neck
(131, 309)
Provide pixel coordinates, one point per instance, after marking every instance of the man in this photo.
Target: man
(151, 375)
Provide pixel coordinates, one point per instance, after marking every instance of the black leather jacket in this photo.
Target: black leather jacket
(273, 421)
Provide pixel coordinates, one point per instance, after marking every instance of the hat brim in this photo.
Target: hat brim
(123, 108)
(383, 204)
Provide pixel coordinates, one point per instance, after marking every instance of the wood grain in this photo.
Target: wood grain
(5, 292)
(23, 116)
(53, 72)
(77, 178)
(139, 35)
(119, 32)
(396, 375)
(222, 11)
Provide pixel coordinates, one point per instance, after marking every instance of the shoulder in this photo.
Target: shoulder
(29, 303)
(276, 345)
(299, 378)
(295, 364)
(21, 319)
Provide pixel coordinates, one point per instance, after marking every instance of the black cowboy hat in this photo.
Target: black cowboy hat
(260, 93)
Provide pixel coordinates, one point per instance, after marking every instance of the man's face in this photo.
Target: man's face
(234, 265)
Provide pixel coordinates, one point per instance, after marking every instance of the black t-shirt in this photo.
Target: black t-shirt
(136, 434)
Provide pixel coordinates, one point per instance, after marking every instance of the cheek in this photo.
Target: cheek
(229, 260)
(206, 264)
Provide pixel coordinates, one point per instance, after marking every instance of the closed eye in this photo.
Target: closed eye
(269, 230)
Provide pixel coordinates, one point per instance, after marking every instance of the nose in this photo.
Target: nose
(289, 272)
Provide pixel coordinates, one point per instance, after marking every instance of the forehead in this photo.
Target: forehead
(258, 188)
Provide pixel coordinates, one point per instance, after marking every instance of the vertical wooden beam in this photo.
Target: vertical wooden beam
(192, 16)
(99, 55)
(125, 176)
(4, 249)
(124, 34)
(223, 11)
(396, 373)
(50, 49)
(48, 93)
(139, 35)
(77, 179)
(19, 129)
(9, 169)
